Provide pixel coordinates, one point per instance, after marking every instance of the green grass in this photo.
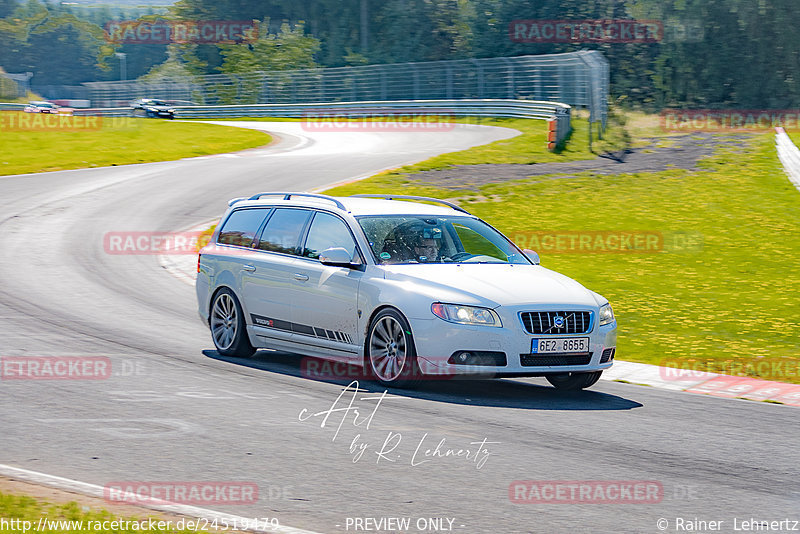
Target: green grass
(527, 148)
(117, 141)
(734, 301)
(25, 508)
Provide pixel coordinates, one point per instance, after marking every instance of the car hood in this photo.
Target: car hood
(492, 284)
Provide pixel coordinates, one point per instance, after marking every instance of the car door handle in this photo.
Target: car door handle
(249, 268)
(301, 277)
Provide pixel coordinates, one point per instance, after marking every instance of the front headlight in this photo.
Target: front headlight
(455, 313)
(606, 314)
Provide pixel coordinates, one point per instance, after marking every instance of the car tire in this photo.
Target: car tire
(574, 381)
(390, 356)
(227, 324)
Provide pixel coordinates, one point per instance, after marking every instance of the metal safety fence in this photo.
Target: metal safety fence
(579, 79)
(558, 114)
(14, 85)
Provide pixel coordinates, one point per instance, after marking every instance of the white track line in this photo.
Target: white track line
(97, 491)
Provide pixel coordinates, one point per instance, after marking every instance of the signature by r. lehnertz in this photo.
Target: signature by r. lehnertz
(353, 413)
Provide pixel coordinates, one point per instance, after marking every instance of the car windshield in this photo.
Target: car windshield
(411, 239)
(154, 103)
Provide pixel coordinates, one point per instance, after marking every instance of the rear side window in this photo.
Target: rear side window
(283, 230)
(328, 231)
(242, 226)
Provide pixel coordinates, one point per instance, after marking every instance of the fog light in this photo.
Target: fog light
(479, 358)
(608, 355)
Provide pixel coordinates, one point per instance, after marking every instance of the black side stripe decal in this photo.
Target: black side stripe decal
(302, 329)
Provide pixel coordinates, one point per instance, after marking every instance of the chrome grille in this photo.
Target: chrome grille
(575, 322)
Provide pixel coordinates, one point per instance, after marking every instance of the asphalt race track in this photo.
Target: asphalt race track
(176, 411)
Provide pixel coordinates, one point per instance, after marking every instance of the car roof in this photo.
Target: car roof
(357, 206)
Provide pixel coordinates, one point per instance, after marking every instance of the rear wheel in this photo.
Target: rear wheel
(574, 381)
(228, 327)
(389, 350)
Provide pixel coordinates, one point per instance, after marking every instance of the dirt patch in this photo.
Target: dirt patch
(658, 154)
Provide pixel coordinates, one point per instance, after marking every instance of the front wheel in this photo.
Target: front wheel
(389, 350)
(228, 326)
(574, 381)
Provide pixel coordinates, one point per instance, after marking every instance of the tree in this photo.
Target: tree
(57, 47)
(289, 49)
(7, 7)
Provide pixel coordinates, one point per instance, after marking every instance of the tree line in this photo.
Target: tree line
(709, 53)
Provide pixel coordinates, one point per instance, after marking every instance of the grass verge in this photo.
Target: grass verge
(528, 148)
(723, 305)
(113, 141)
(22, 513)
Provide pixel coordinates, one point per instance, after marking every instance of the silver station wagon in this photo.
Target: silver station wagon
(407, 287)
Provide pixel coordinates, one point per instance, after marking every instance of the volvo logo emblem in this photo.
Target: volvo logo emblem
(558, 321)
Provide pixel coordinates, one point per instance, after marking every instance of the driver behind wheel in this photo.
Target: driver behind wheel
(426, 250)
(426, 242)
(416, 241)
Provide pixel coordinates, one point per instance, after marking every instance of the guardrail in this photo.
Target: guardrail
(526, 109)
(557, 114)
(789, 155)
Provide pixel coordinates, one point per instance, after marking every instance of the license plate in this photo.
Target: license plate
(560, 345)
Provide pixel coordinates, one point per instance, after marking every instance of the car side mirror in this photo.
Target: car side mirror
(532, 255)
(337, 257)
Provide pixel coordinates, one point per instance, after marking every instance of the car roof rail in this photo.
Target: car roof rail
(288, 196)
(410, 197)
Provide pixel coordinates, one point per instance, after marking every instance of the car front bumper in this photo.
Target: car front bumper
(437, 340)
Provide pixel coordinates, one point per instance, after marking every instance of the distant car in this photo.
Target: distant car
(46, 107)
(150, 107)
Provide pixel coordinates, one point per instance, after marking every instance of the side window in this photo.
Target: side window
(282, 232)
(328, 231)
(242, 226)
